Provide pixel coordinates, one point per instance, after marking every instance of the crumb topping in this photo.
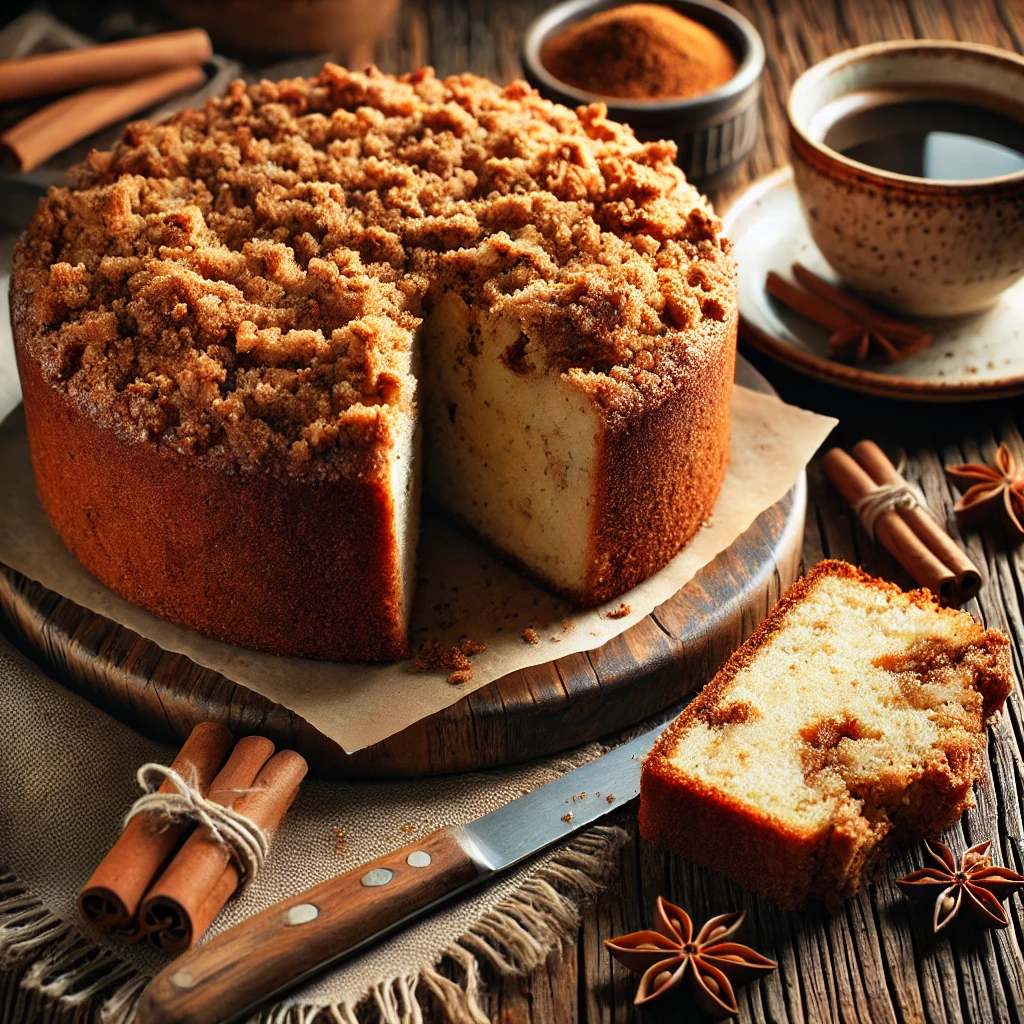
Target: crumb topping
(243, 280)
(341, 840)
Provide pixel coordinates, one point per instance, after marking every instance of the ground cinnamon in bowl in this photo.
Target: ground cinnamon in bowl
(640, 52)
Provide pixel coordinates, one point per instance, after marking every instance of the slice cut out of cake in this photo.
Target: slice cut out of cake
(854, 717)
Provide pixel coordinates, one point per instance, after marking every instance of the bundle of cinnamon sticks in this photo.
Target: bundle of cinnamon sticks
(167, 882)
(101, 85)
(905, 527)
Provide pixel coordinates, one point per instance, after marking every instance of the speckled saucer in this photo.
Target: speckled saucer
(973, 357)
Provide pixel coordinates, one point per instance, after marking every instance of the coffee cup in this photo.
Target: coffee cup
(908, 159)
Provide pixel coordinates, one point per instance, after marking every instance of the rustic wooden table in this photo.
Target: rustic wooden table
(876, 960)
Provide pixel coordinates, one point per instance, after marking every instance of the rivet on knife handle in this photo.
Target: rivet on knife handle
(245, 965)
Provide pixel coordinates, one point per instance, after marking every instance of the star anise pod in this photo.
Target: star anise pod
(859, 332)
(977, 884)
(672, 954)
(990, 489)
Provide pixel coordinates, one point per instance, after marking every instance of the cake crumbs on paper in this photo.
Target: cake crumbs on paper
(339, 846)
(435, 657)
(619, 613)
(610, 798)
(530, 636)
(567, 817)
(469, 646)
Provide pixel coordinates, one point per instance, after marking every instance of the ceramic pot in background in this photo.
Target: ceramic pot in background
(350, 27)
(924, 247)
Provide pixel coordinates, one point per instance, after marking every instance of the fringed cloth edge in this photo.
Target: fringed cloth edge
(50, 970)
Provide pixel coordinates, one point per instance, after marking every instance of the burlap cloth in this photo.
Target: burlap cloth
(67, 776)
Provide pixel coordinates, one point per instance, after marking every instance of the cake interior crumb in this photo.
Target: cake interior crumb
(829, 725)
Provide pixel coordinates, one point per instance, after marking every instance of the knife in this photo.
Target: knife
(243, 967)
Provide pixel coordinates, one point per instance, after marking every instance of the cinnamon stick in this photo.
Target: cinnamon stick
(923, 565)
(813, 307)
(856, 308)
(49, 73)
(202, 877)
(931, 534)
(858, 330)
(52, 129)
(111, 896)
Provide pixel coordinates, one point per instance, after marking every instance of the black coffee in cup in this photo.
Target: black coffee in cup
(927, 137)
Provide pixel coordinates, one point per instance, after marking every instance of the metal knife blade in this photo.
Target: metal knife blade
(238, 970)
(551, 812)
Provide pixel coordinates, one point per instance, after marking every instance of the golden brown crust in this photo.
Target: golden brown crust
(236, 556)
(754, 848)
(661, 475)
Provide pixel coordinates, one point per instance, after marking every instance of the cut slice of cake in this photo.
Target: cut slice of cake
(852, 718)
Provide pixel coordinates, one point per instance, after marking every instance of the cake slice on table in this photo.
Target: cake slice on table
(854, 717)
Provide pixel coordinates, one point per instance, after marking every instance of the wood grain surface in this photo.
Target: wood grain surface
(528, 714)
(876, 961)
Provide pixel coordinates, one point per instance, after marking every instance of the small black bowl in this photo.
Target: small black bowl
(714, 131)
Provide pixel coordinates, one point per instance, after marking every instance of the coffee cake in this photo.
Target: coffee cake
(233, 329)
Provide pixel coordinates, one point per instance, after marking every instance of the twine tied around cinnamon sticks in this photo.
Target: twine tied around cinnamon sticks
(186, 846)
(887, 497)
(895, 512)
(246, 842)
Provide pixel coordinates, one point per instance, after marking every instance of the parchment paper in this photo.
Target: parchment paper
(462, 589)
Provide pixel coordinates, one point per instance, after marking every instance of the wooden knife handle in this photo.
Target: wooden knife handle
(247, 964)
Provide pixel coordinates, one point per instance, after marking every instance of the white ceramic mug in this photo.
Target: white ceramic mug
(921, 246)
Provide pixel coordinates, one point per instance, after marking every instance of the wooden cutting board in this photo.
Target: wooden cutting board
(528, 714)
